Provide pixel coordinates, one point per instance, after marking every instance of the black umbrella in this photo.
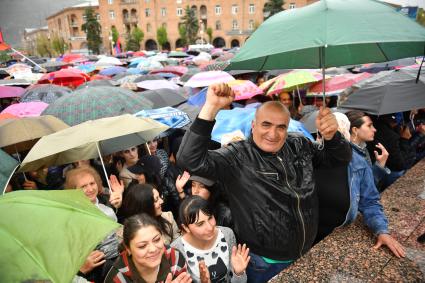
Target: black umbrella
(98, 83)
(163, 97)
(148, 78)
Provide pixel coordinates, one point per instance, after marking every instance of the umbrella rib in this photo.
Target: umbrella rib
(29, 253)
(382, 51)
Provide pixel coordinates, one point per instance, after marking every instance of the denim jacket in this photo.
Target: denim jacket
(364, 196)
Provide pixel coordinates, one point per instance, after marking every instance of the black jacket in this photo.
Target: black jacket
(272, 196)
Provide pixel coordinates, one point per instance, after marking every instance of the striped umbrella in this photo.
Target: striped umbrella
(289, 81)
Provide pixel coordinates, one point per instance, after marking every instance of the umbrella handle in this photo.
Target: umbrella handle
(20, 162)
(147, 148)
(103, 166)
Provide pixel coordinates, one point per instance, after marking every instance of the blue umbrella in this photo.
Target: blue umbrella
(111, 71)
(135, 71)
(86, 68)
(228, 121)
(199, 98)
(136, 61)
(172, 117)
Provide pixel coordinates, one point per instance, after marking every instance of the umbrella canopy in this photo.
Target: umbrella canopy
(215, 66)
(111, 71)
(86, 68)
(92, 103)
(204, 79)
(244, 89)
(172, 117)
(26, 109)
(345, 32)
(387, 92)
(157, 84)
(126, 79)
(45, 93)
(178, 70)
(163, 97)
(73, 58)
(178, 54)
(11, 91)
(337, 84)
(148, 65)
(4, 116)
(385, 66)
(98, 83)
(65, 222)
(289, 81)
(22, 82)
(147, 78)
(82, 141)
(65, 77)
(108, 61)
(17, 135)
(8, 165)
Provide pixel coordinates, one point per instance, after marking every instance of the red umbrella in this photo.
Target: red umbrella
(65, 77)
(177, 70)
(73, 58)
(139, 54)
(337, 84)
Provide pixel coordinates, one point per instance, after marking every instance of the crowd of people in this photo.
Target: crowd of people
(193, 210)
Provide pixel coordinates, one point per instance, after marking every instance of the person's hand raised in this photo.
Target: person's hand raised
(182, 180)
(219, 96)
(381, 158)
(240, 258)
(204, 273)
(326, 123)
(117, 188)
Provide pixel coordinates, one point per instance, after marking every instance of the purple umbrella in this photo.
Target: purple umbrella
(157, 84)
(111, 71)
(26, 109)
(11, 91)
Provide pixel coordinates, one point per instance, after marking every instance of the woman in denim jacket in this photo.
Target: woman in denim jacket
(363, 194)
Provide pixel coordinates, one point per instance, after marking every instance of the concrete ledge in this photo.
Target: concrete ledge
(347, 255)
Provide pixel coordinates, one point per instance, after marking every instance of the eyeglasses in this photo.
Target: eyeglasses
(127, 151)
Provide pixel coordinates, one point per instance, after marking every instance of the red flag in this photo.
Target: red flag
(3, 45)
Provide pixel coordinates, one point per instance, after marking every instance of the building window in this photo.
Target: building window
(292, 6)
(163, 12)
(217, 9)
(148, 28)
(112, 15)
(235, 9)
(179, 12)
(218, 25)
(179, 1)
(251, 25)
(110, 2)
(251, 8)
(84, 18)
(147, 12)
(98, 17)
(235, 25)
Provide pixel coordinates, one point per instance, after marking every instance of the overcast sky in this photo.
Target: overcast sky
(16, 15)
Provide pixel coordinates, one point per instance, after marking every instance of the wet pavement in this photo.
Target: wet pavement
(347, 255)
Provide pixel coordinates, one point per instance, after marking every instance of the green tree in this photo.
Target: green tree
(134, 39)
(190, 21)
(59, 45)
(92, 29)
(161, 36)
(272, 7)
(4, 56)
(115, 35)
(210, 34)
(183, 34)
(44, 48)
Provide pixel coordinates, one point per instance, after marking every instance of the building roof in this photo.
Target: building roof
(87, 3)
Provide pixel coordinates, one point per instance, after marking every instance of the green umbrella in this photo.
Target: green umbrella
(331, 33)
(96, 102)
(8, 165)
(47, 235)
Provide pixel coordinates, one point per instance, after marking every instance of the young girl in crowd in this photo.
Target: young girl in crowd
(144, 198)
(88, 180)
(210, 251)
(209, 191)
(145, 257)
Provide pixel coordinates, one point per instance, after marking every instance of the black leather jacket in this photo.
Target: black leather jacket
(272, 197)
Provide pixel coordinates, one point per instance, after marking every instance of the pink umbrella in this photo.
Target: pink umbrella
(157, 84)
(244, 89)
(177, 70)
(26, 109)
(204, 79)
(11, 91)
(337, 84)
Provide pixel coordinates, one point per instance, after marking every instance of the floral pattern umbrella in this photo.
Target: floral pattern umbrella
(289, 81)
(337, 84)
(244, 89)
(44, 93)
